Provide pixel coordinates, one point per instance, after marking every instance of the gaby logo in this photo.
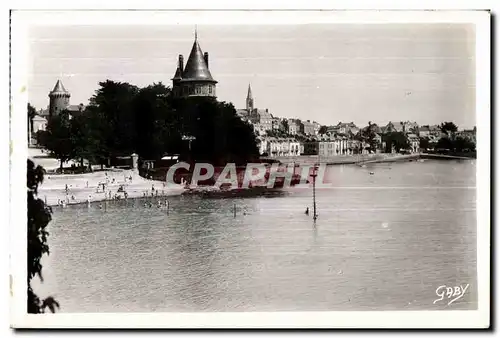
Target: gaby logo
(448, 292)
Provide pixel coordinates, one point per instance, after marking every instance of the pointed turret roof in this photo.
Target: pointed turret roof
(196, 67)
(59, 88)
(249, 95)
(177, 75)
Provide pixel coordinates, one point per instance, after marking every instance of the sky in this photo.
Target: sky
(327, 73)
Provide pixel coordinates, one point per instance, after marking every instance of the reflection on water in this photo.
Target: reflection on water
(381, 242)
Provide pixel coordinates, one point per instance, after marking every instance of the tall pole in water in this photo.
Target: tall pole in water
(314, 193)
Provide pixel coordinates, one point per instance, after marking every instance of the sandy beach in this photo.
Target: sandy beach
(89, 187)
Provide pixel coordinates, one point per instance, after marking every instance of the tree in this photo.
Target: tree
(122, 119)
(463, 144)
(369, 135)
(31, 115)
(449, 128)
(57, 138)
(221, 136)
(323, 130)
(398, 140)
(444, 143)
(424, 143)
(39, 216)
(111, 109)
(83, 140)
(157, 123)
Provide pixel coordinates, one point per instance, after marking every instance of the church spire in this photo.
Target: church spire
(249, 98)
(249, 95)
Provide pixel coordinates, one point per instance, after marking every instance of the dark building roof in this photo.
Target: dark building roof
(75, 107)
(177, 75)
(59, 88)
(196, 68)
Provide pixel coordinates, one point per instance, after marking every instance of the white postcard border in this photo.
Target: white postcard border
(338, 319)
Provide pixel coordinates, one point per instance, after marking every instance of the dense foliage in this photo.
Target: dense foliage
(122, 119)
(39, 216)
(396, 140)
(369, 135)
(448, 128)
(457, 144)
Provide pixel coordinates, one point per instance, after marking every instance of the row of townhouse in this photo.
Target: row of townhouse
(340, 146)
(262, 121)
(276, 146)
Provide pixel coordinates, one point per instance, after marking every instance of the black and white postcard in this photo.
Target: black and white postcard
(250, 169)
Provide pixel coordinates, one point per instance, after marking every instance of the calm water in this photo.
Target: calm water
(382, 242)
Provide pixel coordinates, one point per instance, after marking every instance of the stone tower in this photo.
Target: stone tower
(194, 79)
(249, 99)
(58, 99)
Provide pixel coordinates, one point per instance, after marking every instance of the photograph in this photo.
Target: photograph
(264, 169)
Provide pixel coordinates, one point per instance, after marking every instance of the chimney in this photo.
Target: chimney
(181, 63)
(205, 56)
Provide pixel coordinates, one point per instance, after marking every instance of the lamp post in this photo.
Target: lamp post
(313, 175)
(188, 138)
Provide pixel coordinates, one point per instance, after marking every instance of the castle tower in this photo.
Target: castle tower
(58, 99)
(194, 79)
(249, 99)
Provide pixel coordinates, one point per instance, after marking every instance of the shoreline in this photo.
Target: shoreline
(364, 159)
(87, 188)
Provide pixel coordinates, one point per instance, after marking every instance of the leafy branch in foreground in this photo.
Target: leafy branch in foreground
(39, 216)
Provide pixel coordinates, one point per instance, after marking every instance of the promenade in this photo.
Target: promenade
(89, 186)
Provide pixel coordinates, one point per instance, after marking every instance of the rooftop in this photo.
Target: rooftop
(196, 67)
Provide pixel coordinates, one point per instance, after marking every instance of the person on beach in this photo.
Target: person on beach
(100, 206)
(66, 188)
(87, 184)
(307, 211)
(158, 204)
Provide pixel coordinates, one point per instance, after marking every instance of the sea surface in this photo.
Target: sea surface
(387, 236)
